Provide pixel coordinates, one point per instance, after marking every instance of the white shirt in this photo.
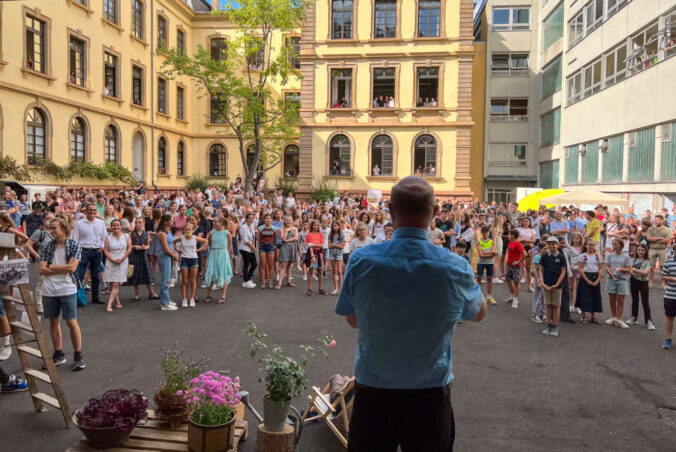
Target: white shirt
(90, 234)
(355, 243)
(246, 234)
(348, 233)
(62, 284)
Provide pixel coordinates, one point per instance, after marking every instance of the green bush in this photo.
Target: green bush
(323, 189)
(286, 185)
(197, 182)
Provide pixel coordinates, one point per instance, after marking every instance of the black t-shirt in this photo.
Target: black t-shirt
(38, 204)
(445, 226)
(33, 223)
(551, 267)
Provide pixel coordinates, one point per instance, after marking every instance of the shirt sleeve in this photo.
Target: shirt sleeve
(345, 303)
(468, 291)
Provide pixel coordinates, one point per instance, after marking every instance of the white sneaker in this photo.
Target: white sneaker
(578, 310)
(621, 324)
(498, 281)
(245, 284)
(184, 303)
(192, 303)
(509, 299)
(651, 325)
(276, 278)
(168, 308)
(252, 285)
(315, 277)
(571, 309)
(536, 319)
(304, 277)
(515, 304)
(631, 321)
(334, 292)
(5, 352)
(173, 304)
(611, 321)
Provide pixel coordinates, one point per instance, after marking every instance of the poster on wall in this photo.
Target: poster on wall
(13, 272)
(374, 196)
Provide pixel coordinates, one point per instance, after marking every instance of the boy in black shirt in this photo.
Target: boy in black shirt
(552, 274)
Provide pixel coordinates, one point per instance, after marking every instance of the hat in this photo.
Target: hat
(552, 240)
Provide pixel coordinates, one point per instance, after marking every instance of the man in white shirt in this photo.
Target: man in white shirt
(90, 233)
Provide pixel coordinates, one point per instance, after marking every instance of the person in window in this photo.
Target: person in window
(336, 104)
(390, 103)
(376, 170)
(671, 45)
(431, 170)
(72, 77)
(418, 171)
(381, 102)
(375, 102)
(106, 90)
(343, 103)
(433, 103)
(420, 102)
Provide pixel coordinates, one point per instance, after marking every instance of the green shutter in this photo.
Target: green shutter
(590, 164)
(551, 78)
(570, 176)
(553, 28)
(549, 174)
(642, 156)
(550, 128)
(613, 160)
(669, 155)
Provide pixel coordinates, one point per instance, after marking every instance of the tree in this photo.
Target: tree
(237, 78)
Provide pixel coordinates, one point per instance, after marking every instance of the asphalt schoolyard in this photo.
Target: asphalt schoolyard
(593, 387)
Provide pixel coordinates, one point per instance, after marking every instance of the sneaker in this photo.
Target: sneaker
(578, 310)
(611, 321)
(547, 331)
(315, 277)
(79, 364)
(555, 331)
(184, 303)
(15, 384)
(544, 318)
(5, 352)
(173, 304)
(650, 325)
(571, 309)
(536, 319)
(334, 292)
(491, 300)
(276, 278)
(621, 324)
(59, 359)
(515, 304)
(252, 285)
(631, 321)
(192, 303)
(245, 284)
(304, 277)
(509, 299)
(667, 344)
(498, 281)
(171, 307)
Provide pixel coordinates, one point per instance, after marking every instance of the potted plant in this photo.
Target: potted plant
(214, 399)
(178, 372)
(107, 421)
(284, 376)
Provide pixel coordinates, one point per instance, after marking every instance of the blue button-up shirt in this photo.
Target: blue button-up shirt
(407, 295)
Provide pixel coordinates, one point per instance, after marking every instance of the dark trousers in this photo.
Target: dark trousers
(4, 378)
(249, 264)
(415, 419)
(564, 315)
(640, 288)
(90, 259)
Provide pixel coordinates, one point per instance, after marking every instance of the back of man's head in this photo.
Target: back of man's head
(412, 202)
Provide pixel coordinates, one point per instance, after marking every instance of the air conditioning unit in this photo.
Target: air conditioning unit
(604, 146)
(582, 150)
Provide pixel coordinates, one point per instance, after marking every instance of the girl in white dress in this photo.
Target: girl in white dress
(116, 249)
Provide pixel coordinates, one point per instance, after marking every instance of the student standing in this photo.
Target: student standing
(247, 249)
(219, 268)
(117, 248)
(189, 262)
(515, 256)
(552, 274)
(166, 256)
(486, 256)
(539, 310)
(288, 251)
(590, 264)
(617, 284)
(639, 271)
(140, 243)
(669, 275)
(315, 256)
(267, 236)
(336, 245)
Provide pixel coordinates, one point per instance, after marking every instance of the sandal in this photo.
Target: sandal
(323, 292)
(136, 298)
(290, 284)
(118, 306)
(207, 299)
(221, 301)
(583, 321)
(262, 286)
(310, 292)
(278, 286)
(596, 321)
(153, 297)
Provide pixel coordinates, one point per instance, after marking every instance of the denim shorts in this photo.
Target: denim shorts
(189, 262)
(266, 248)
(620, 287)
(480, 268)
(65, 306)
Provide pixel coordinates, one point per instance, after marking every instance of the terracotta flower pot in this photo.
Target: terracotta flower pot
(172, 409)
(102, 438)
(211, 438)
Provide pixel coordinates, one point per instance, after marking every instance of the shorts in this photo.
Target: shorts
(654, 255)
(65, 306)
(619, 286)
(576, 273)
(266, 248)
(278, 246)
(480, 268)
(326, 254)
(552, 297)
(189, 262)
(513, 273)
(335, 254)
(346, 257)
(670, 307)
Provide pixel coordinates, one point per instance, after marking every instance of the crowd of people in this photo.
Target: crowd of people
(95, 242)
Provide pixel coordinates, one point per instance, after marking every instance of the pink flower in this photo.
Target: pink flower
(179, 392)
(332, 344)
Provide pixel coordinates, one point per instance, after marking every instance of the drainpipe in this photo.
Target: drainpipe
(152, 91)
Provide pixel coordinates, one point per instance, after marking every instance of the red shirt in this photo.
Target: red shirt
(514, 252)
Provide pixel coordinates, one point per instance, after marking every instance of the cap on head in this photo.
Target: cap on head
(553, 240)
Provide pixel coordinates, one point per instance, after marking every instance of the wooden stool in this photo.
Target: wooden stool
(267, 441)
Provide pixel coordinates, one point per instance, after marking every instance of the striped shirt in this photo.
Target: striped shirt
(669, 269)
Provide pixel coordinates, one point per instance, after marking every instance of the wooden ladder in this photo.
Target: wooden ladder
(25, 350)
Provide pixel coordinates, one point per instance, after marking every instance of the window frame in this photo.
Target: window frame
(106, 143)
(181, 43)
(592, 68)
(225, 160)
(221, 49)
(352, 90)
(293, 55)
(419, 8)
(162, 41)
(296, 160)
(387, 11)
(214, 105)
(573, 97)
(46, 134)
(510, 26)
(45, 46)
(136, 65)
(180, 158)
(253, 58)
(395, 77)
(341, 159)
(116, 94)
(138, 18)
(509, 149)
(437, 155)
(85, 139)
(180, 102)
(84, 71)
(507, 117)
(440, 82)
(165, 96)
(511, 70)
(105, 11)
(163, 170)
(382, 149)
(353, 22)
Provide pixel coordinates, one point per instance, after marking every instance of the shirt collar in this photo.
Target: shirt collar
(410, 232)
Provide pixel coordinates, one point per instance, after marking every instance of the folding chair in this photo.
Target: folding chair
(331, 413)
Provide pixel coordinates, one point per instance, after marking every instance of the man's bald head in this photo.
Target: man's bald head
(412, 202)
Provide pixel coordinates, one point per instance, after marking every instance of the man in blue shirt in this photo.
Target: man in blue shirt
(405, 297)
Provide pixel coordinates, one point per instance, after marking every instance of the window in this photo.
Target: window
(179, 103)
(219, 49)
(382, 151)
(291, 161)
(217, 160)
(509, 64)
(36, 126)
(592, 78)
(553, 28)
(549, 174)
(645, 47)
(292, 97)
(342, 19)
(162, 156)
(428, 87)
(256, 55)
(425, 156)
(509, 110)
(137, 85)
(339, 156)
(616, 65)
(161, 32)
(110, 144)
(137, 19)
(110, 75)
(574, 88)
(507, 154)
(180, 42)
(511, 19)
(110, 10)
(385, 19)
(341, 88)
(77, 61)
(162, 96)
(218, 110)
(293, 46)
(576, 29)
(550, 128)
(77, 140)
(180, 159)
(551, 78)
(499, 195)
(593, 15)
(429, 18)
(384, 87)
(36, 57)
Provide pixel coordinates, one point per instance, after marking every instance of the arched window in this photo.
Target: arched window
(180, 159)
(219, 49)
(78, 133)
(291, 161)
(425, 156)
(217, 160)
(251, 155)
(36, 127)
(110, 144)
(382, 151)
(339, 156)
(162, 156)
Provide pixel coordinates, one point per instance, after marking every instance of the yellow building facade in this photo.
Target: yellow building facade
(82, 79)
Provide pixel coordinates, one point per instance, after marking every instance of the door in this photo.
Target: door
(138, 155)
